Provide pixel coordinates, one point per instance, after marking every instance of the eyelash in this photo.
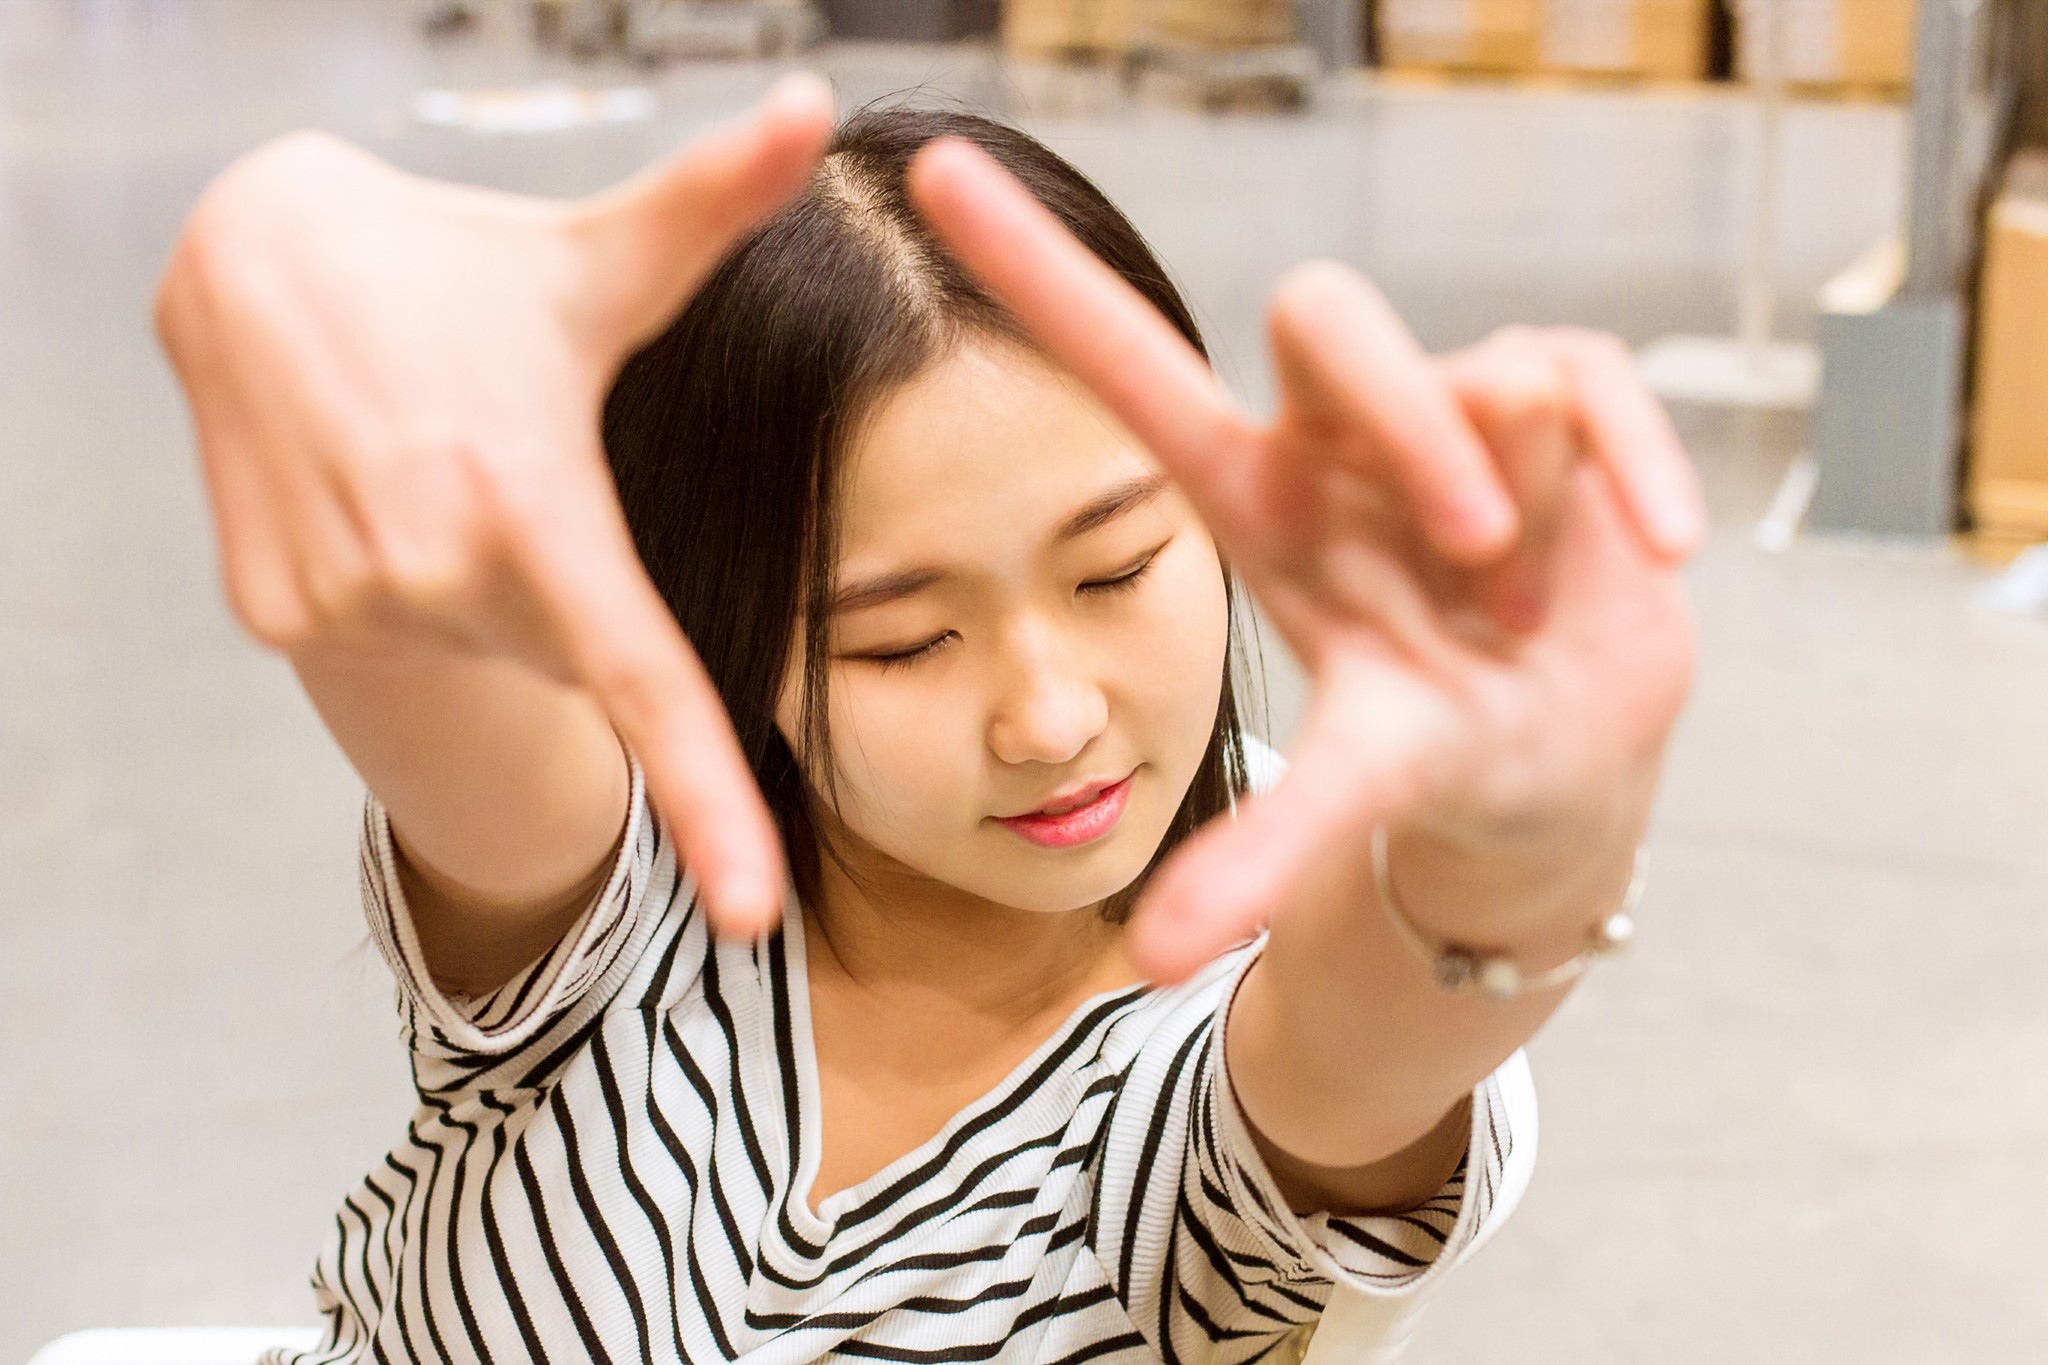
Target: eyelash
(905, 658)
(1123, 582)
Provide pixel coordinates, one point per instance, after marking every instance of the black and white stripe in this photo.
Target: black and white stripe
(605, 1160)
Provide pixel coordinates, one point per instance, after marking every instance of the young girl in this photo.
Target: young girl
(976, 649)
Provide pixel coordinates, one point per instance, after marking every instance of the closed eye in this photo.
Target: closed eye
(902, 658)
(1115, 583)
(1124, 581)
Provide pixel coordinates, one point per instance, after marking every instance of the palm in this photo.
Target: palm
(1423, 699)
(1473, 557)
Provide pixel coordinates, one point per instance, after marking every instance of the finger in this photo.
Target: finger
(1346, 361)
(289, 556)
(1090, 321)
(625, 646)
(1515, 394)
(256, 568)
(1632, 436)
(649, 241)
(1363, 753)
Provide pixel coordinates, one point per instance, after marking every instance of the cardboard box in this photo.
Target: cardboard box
(1473, 35)
(1224, 23)
(2008, 464)
(1834, 42)
(1062, 28)
(1662, 39)
(1051, 28)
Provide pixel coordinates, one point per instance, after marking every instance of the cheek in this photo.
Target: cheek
(1172, 659)
(904, 755)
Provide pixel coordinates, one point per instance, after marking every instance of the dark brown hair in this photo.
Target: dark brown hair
(726, 433)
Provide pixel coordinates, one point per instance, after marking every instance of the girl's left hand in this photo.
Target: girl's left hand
(1475, 557)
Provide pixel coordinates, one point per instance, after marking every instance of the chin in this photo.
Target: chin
(1053, 881)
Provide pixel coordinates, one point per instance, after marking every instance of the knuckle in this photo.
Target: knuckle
(167, 303)
(424, 525)
(268, 612)
(426, 571)
(228, 249)
(1518, 380)
(342, 595)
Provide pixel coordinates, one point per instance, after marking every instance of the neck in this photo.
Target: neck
(888, 931)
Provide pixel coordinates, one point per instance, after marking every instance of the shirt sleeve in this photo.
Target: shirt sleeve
(510, 1038)
(1215, 1264)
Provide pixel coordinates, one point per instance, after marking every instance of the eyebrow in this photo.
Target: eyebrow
(1116, 501)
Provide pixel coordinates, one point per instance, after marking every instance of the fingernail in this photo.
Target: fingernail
(1486, 523)
(1680, 526)
(749, 900)
(798, 92)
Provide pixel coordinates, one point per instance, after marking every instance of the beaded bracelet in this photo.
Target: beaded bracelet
(1459, 967)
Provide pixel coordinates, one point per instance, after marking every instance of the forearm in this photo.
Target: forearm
(506, 792)
(1349, 1059)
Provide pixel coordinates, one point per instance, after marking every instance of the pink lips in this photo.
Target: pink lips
(1094, 817)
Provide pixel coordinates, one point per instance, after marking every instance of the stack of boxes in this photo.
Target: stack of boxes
(1116, 28)
(1223, 23)
(1858, 43)
(1070, 28)
(1831, 42)
(1466, 35)
(1660, 39)
(1655, 39)
(2008, 468)
(1214, 55)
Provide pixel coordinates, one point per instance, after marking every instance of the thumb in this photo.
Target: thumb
(647, 242)
(1362, 755)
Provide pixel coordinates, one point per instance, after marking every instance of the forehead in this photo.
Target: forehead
(988, 447)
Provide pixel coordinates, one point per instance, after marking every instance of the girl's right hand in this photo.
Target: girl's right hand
(396, 387)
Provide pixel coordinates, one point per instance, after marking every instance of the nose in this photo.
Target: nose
(1048, 706)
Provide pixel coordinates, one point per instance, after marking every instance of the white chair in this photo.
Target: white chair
(172, 1345)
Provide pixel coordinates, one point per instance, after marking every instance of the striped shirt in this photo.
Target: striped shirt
(610, 1157)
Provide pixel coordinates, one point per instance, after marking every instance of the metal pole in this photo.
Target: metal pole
(1933, 253)
(1757, 301)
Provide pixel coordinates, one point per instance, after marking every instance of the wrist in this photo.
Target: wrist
(1534, 893)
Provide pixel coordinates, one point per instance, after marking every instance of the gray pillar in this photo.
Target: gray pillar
(1335, 29)
(1888, 423)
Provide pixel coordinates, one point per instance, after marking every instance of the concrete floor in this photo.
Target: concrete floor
(1803, 1124)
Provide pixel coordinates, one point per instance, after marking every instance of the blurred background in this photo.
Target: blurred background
(1807, 1121)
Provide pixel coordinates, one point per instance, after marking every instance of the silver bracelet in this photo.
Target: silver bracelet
(1460, 967)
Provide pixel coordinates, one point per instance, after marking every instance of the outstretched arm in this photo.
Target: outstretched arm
(395, 386)
(1475, 559)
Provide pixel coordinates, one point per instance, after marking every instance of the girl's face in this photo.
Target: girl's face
(1028, 639)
